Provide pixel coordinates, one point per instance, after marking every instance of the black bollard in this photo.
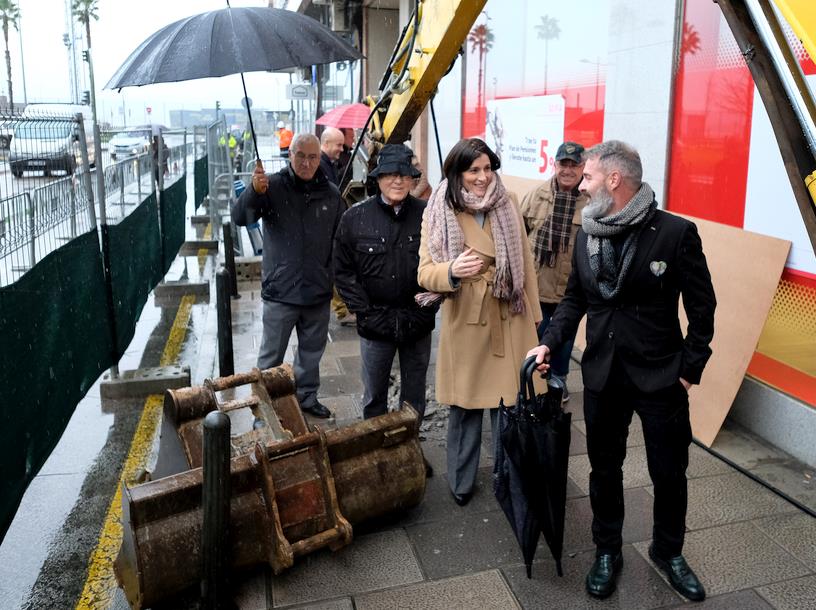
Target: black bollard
(229, 258)
(226, 364)
(216, 507)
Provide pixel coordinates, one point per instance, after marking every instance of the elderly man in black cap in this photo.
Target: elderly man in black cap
(376, 254)
(552, 217)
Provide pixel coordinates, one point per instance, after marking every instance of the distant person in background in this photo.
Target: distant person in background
(158, 142)
(345, 157)
(552, 217)
(421, 189)
(284, 137)
(331, 145)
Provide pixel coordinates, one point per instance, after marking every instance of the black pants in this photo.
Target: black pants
(667, 432)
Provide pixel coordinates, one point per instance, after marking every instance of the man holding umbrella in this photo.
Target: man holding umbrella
(301, 210)
(631, 263)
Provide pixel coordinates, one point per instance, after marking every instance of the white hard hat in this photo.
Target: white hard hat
(281, 125)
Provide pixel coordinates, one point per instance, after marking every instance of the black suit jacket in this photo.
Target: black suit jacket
(640, 326)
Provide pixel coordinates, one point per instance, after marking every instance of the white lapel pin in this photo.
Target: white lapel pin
(658, 267)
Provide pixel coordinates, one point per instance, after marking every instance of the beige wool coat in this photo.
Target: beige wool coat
(481, 344)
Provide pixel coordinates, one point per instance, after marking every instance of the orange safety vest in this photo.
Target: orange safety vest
(285, 136)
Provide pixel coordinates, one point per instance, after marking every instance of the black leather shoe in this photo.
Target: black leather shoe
(462, 499)
(317, 410)
(680, 575)
(600, 581)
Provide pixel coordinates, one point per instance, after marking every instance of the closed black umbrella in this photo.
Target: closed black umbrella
(231, 41)
(533, 451)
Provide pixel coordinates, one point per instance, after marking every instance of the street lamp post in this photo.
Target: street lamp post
(597, 63)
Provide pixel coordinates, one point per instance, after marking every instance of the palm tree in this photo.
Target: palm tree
(84, 11)
(481, 39)
(549, 30)
(9, 13)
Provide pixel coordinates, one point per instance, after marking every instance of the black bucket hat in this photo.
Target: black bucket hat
(395, 159)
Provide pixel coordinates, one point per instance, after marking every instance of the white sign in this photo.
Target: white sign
(525, 132)
(299, 92)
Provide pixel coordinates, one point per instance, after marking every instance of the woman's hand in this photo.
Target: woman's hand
(466, 264)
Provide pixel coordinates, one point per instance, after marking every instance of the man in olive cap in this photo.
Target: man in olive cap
(552, 217)
(376, 255)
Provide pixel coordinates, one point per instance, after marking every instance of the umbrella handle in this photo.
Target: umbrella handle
(526, 378)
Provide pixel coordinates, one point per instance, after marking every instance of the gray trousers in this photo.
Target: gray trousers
(464, 445)
(377, 358)
(312, 325)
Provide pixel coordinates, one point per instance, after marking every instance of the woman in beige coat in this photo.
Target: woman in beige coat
(474, 254)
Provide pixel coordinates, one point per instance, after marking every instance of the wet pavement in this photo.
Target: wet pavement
(752, 549)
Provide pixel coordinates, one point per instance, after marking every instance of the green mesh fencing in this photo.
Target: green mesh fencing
(201, 180)
(135, 265)
(54, 343)
(173, 201)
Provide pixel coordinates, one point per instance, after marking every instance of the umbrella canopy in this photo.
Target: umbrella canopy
(533, 451)
(229, 41)
(347, 115)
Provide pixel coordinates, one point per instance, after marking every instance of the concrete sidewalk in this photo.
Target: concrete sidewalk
(751, 548)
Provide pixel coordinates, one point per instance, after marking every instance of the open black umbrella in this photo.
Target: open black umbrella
(231, 41)
(533, 453)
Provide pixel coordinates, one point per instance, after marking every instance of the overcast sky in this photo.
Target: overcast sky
(122, 26)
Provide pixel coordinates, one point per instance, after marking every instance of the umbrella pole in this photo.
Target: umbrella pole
(249, 114)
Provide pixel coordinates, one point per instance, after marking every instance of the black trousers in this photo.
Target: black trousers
(667, 432)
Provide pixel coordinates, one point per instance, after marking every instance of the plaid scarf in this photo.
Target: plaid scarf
(446, 239)
(553, 237)
(609, 269)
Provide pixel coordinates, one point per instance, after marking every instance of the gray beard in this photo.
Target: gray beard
(599, 205)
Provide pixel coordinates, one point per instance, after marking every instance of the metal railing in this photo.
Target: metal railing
(39, 215)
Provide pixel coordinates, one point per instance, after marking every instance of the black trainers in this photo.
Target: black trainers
(680, 576)
(600, 581)
(317, 410)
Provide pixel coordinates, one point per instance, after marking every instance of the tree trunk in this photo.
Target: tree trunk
(8, 65)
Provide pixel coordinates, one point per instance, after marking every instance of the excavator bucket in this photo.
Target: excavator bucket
(293, 490)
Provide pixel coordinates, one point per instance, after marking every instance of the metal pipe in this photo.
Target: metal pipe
(229, 258)
(86, 168)
(788, 68)
(226, 365)
(215, 508)
(32, 230)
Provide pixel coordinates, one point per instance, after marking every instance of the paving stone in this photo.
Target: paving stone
(350, 365)
(744, 600)
(250, 591)
(343, 603)
(637, 524)
(435, 451)
(372, 562)
(635, 471)
(796, 533)
(791, 477)
(578, 439)
(485, 591)
(735, 556)
(799, 594)
(345, 408)
(345, 347)
(464, 544)
(439, 505)
(337, 385)
(729, 498)
(329, 366)
(575, 405)
(638, 585)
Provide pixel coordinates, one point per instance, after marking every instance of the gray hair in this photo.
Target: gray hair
(614, 155)
(302, 138)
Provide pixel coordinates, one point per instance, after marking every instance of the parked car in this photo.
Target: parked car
(131, 142)
(6, 133)
(47, 139)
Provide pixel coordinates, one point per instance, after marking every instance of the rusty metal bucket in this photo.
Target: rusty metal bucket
(293, 490)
